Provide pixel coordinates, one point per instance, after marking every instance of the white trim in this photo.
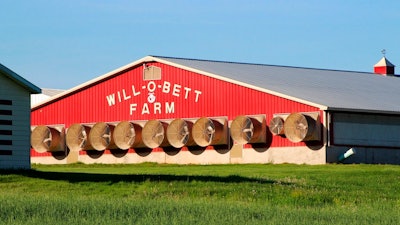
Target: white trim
(152, 58)
(95, 80)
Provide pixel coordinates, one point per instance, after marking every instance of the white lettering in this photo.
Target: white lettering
(119, 96)
(157, 107)
(166, 87)
(111, 99)
(177, 89)
(187, 90)
(169, 108)
(197, 95)
(125, 96)
(134, 91)
(145, 109)
(151, 86)
(132, 108)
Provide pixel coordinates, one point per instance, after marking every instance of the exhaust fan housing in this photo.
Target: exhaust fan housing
(179, 133)
(276, 126)
(100, 136)
(153, 134)
(210, 131)
(48, 139)
(302, 127)
(77, 137)
(248, 129)
(128, 135)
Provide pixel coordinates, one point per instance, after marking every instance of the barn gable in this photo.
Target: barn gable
(152, 89)
(178, 93)
(256, 113)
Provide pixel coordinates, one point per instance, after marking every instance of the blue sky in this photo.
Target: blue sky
(61, 44)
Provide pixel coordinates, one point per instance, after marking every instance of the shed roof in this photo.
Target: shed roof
(51, 92)
(326, 89)
(46, 94)
(19, 80)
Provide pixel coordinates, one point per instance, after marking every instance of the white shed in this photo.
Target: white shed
(44, 95)
(15, 111)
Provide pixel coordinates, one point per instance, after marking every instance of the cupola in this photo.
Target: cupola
(384, 67)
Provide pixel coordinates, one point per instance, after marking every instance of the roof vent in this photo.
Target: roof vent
(384, 67)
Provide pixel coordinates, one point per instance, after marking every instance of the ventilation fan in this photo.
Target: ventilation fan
(210, 131)
(301, 127)
(47, 139)
(127, 135)
(77, 137)
(242, 129)
(178, 133)
(276, 126)
(248, 129)
(153, 133)
(100, 136)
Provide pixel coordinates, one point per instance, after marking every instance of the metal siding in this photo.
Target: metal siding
(20, 108)
(368, 130)
(217, 98)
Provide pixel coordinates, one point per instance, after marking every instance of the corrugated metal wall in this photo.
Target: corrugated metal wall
(179, 94)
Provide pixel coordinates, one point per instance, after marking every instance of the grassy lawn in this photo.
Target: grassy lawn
(206, 194)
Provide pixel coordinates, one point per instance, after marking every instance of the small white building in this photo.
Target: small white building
(44, 95)
(15, 130)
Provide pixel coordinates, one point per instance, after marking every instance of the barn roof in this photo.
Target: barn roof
(19, 80)
(326, 89)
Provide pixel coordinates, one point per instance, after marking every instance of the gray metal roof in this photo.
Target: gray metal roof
(330, 89)
(19, 80)
(326, 89)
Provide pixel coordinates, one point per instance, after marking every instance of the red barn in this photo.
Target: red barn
(185, 111)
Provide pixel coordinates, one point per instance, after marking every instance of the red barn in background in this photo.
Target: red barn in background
(185, 111)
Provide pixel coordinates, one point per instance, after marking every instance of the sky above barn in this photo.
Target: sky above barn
(61, 44)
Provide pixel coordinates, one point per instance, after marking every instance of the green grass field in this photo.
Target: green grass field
(207, 194)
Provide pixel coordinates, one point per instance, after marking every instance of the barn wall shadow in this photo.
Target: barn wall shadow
(73, 177)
